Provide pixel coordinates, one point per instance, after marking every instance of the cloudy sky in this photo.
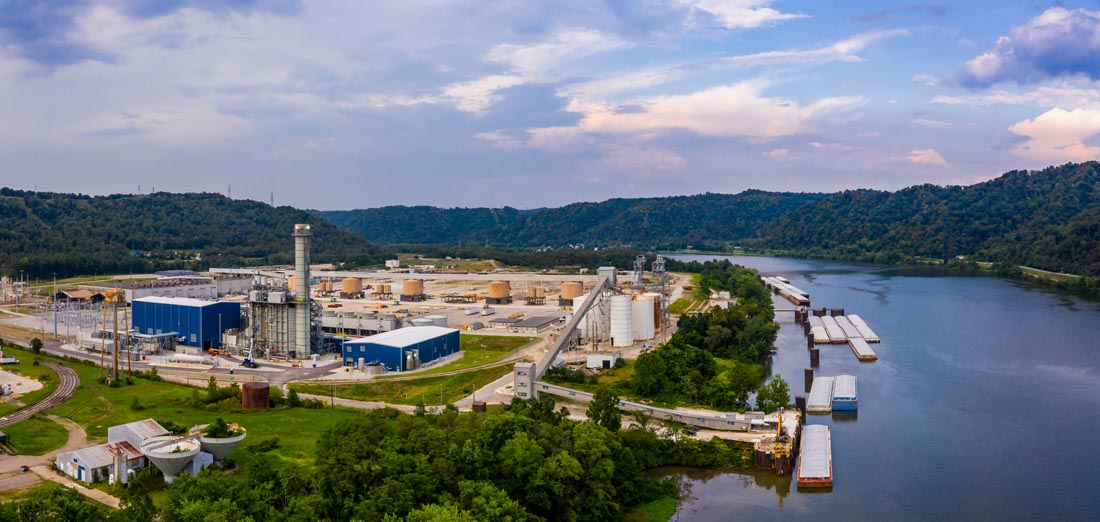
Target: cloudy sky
(355, 104)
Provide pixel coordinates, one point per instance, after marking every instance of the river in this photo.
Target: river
(983, 404)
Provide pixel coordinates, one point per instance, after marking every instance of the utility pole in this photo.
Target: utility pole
(54, 302)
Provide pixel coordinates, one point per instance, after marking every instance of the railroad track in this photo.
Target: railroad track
(67, 383)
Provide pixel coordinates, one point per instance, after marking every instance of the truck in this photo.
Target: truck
(471, 311)
(488, 311)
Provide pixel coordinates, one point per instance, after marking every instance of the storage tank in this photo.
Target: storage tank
(413, 287)
(384, 288)
(657, 310)
(351, 285)
(422, 321)
(170, 453)
(499, 289)
(622, 320)
(437, 320)
(255, 395)
(290, 282)
(537, 292)
(643, 318)
(221, 447)
(571, 289)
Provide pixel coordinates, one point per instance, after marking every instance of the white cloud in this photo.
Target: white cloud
(1058, 136)
(777, 153)
(926, 157)
(931, 124)
(500, 139)
(844, 51)
(742, 14)
(736, 110)
(1054, 94)
(1058, 42)
(927, 79)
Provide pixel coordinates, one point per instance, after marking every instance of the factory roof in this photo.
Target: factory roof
(102, 455)
(403, 337)
(179, 301)
(145, 429)
(536, 322)
(506, 320)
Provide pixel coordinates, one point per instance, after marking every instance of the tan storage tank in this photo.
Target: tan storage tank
(290, 280)
(413, 287)
(384, 288)
(499, 289)
(255, 395)
(537, 292)
(351, 285)
(571, 290)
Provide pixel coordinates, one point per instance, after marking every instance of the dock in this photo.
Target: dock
(862, 350)
(821, 396)
(845, 397)
(815, 460)
(864, 331)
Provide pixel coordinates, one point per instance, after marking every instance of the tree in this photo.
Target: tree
(136, 505)
(36, 347)
(604, 410)
(773, 395)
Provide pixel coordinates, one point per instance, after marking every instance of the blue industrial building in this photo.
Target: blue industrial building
(196, 322)
(404, 348)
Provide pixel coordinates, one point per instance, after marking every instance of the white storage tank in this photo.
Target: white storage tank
(643, 318)
(622, 320)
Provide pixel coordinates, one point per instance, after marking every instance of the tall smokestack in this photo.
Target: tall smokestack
(302, 234)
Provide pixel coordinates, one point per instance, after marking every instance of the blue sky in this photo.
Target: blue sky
(473, 103)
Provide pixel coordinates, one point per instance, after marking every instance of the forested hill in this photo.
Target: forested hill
(668, 222)
(45, 233)
(1048, 219)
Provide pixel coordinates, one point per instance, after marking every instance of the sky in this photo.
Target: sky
(356, 104)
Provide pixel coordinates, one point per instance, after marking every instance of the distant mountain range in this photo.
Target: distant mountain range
(45, 233)
(1048, 219)
(702, 221)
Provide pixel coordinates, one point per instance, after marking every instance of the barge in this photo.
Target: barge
(815, 461)
(844, 393)
(821, 396)
(862, 350)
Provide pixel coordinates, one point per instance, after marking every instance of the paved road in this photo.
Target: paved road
(68, 381)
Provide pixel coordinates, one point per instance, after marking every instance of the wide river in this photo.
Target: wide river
(984, 403)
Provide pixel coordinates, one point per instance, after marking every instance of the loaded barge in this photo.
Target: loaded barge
(815, 461)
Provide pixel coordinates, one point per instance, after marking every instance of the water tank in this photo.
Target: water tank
(499, 289)
(622, 320)
(643, 318)
(255, 395)
(351, 285)
(413, 287)
(571, 290)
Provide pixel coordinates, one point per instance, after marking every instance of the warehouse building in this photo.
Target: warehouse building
(403, 349)
(195, 322)
(121, 452)
(534, 325)
(194, 287)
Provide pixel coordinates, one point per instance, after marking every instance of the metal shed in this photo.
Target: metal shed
(403, 349)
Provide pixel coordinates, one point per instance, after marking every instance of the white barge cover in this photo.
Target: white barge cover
(850, 329)
(844, 388)
(821, 395)
(815, 461)
(864, 331)
(820, 335)
(816, 321)
(835, 333)
(862, 350)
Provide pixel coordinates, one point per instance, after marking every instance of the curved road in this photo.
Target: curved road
(68, 380)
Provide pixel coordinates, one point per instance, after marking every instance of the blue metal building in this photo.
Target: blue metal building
(196, 322)
(404, 348)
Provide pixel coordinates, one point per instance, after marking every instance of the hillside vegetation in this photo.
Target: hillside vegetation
(1047, 219)
(45, 233)
(672, 222)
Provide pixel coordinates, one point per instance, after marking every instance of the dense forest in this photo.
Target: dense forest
(706, 220)
(45, 233)
(1048, 219)
(529, 463)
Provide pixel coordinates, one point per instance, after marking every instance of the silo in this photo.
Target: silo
(291, 282)
(643, 318)
(658, 315)
(413, 287)
(499, 289)
(538, 292)
(571, 289)
(351, 285)
(255, 395)
(384, 288)
(622, 320)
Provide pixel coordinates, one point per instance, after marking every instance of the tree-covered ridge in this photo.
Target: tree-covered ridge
(1047, 219)
(668, 222)
(44, 233)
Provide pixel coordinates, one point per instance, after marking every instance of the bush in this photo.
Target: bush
(264, 446)
(293, 400)
(313, 404)
(135, 405)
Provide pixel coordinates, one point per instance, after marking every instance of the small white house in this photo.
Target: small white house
(605, 360)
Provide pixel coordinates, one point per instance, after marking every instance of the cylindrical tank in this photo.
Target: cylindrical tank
(437, 320)
(255, 395)
(413, 287)
(622, 320)
(499, 289)
(571, 289)
(384, 288)
(422, 321)
(291, 282)
(537, 292)
(351, 285)
(643, 318)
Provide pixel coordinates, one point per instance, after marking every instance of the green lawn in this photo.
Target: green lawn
(36, 436)
(410, 392)
(478, 350)
(614, 378)
(26, 368)
(660, 510)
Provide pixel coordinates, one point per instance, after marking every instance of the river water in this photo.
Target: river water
(984, 403)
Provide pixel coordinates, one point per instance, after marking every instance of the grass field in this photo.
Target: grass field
(428, 389)
(660, 510)
(36, 436)
(26, 368)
